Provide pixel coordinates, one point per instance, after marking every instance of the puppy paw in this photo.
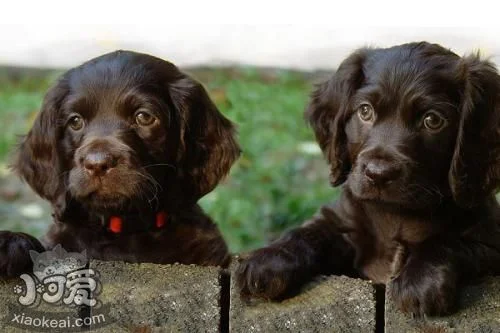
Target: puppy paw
(271, 273)
(425, 289)
(14, 253)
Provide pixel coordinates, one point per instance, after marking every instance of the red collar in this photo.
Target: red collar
(118, 224)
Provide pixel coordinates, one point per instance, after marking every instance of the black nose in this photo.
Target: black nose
(98, 163)
(381, 172)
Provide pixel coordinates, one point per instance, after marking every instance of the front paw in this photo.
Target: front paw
(271, 273)
(425, 289)
(14, 253)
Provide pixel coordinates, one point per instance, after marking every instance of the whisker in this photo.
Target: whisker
(150, 189)
(160, 164)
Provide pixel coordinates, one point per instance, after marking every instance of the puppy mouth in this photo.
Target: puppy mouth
(363, 190)
(397, 193)
(99, 201)
(379, 180)
(116, 190)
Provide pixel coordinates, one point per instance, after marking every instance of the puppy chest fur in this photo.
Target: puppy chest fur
(381, 238)
(391, 234)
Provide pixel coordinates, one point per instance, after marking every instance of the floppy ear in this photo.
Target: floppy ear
(326, 113)
(475, 167)
(207, 142)
(37, 160)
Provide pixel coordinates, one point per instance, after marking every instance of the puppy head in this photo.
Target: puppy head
(126, 130)
(411, 125)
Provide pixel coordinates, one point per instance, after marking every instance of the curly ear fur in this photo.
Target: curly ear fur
(37, 160)
(208, 144)
(327, 109)
(475, 167)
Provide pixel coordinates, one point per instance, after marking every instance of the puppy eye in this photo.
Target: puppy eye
(144, 119)
(366, 112)
(76, 122)
(434, 122)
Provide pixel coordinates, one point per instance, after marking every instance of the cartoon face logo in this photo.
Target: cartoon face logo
(59, 277)
(57, 262)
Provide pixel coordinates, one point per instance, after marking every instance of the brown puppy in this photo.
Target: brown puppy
(123, 148)
(413, 134)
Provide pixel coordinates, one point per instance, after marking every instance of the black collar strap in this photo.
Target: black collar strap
(130, 224)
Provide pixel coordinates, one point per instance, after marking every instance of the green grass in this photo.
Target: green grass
(280, 179)
(276, 183)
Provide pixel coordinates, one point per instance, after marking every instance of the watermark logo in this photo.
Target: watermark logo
(59, 276)
(62, 279)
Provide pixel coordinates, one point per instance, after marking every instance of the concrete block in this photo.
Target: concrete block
(479, 312)
(331, 304)
(135, 298)
(160, 298)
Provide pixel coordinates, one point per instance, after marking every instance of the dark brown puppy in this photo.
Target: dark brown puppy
(123, 148)
(413, 134)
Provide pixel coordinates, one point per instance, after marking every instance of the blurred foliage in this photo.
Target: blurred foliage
(20, 98)
(280, 179)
